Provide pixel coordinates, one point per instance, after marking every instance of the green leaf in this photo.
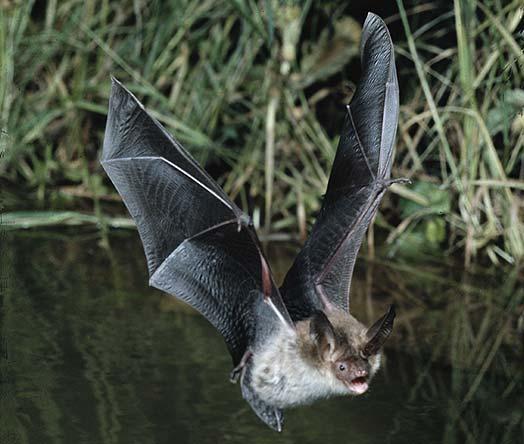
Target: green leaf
(500, 117)
(439, 200)
(329, 55)
(435, 230)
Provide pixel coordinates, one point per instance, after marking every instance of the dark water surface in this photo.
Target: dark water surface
(90, 354)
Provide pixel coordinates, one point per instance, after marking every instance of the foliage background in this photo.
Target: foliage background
(256, 91)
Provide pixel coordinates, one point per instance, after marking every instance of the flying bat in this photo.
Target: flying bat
(293, 345)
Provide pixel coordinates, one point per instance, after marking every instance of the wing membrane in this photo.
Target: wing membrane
(131, 132)
(199, 246)
(159, 199)
(219, 273)
(320, 277)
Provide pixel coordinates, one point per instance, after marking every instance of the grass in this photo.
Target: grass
(255, 90)
(464, 111)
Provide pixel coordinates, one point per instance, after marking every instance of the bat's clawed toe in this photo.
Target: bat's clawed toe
(279, 417)
(235, 374)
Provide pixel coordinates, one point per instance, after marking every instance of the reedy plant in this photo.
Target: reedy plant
(470, 119)
(241, 84)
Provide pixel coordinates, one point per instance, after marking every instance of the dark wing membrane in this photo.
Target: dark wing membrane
(132, 132)
(219, 273)
(167, 206)
(167, 193)
(199, 246)
(321, 274)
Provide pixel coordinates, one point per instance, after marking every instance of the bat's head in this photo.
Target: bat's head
(348, 350)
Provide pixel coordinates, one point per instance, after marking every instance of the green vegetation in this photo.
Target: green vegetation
(256, 90)
(467, 118)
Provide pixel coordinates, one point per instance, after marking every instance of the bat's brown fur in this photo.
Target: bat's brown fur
(298, 368)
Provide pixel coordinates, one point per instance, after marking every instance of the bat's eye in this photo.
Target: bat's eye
(342, 367)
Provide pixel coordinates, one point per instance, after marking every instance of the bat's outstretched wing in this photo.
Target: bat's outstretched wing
(199, 246)
(320, 277)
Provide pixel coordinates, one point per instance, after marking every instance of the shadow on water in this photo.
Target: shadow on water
(90, 354)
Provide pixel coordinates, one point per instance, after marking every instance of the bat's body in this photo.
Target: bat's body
(289, 371)
(284, 377)
(293, 345)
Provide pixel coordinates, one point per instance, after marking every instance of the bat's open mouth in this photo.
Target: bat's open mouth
(358, 385)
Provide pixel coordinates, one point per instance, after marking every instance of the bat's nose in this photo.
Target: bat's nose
(361, 373)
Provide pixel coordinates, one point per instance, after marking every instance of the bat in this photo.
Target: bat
(290, 345)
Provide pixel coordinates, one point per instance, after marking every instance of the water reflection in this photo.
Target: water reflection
(90, 354)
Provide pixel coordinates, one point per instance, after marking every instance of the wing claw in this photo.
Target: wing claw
(400, 180)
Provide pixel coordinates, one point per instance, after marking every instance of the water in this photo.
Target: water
(90, 354)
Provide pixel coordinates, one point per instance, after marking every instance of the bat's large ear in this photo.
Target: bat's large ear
(323, 334)
(379, 332)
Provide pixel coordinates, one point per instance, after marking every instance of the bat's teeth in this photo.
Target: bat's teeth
(358, 385)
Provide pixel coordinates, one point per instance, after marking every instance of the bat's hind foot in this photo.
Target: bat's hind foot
(234, 376)
(271, 415)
